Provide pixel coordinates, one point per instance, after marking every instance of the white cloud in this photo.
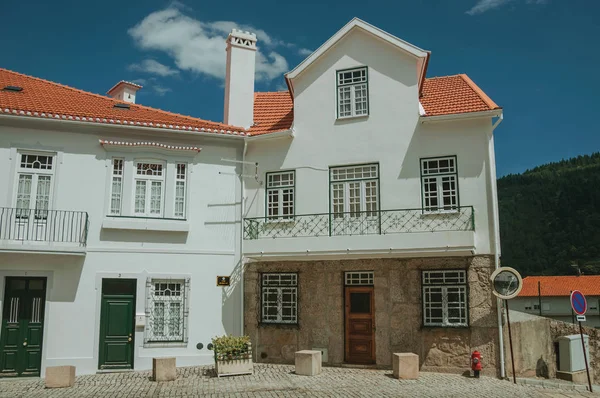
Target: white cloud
(486, 5)
(153, 67)
(305, 52)
(199, 46)
(160, 90)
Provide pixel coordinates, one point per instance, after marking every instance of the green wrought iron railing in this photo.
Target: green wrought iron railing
(44, 225)
(379, 222)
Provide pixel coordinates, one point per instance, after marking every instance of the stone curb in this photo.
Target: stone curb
(562, 385)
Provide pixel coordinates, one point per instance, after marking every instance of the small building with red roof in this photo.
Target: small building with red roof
(549, 296)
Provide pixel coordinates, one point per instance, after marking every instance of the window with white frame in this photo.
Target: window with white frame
(439, 180)
(279, 298)
(166, 310)
(280, 194)
(359, 278)
(353, 92)
(116, 195)
(444, 298)
(180, 189)
(354, 190)
(35, 173)
(149, 181)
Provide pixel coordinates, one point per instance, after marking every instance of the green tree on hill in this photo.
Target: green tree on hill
(550, 217)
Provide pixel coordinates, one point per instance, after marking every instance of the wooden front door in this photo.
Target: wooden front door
(360, 325)
(117, 324)
(22, 326)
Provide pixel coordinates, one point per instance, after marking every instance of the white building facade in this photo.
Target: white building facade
(355, 213)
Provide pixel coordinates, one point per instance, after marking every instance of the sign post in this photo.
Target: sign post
(507, 284)
(579, 305)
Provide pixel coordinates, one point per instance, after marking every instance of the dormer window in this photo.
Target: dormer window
(352, 92)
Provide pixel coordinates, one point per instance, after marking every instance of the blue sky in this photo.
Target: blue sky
(538, 59)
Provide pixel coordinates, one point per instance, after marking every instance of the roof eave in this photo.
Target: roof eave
(356, 23)
(289, 133)
(461, 116)
(130, 127)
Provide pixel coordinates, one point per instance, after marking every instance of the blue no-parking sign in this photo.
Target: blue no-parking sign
(578, 302)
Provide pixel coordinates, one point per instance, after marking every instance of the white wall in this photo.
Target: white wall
(209, 249)
(391, 135)
(558, 308)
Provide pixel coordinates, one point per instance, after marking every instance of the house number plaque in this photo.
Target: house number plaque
(223, 280)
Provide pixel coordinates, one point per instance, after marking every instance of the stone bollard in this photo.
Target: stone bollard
(406, 366)
(308, 362)
(60, 376)
(164, 369)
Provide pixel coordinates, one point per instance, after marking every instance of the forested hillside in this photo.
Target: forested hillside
(550, 217)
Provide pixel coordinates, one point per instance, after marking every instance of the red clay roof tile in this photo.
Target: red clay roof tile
(448, 95)
(273, 111)
(589, 285)
(42, 98)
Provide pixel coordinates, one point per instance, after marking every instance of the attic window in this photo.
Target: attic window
(122, 106)
(13, 88)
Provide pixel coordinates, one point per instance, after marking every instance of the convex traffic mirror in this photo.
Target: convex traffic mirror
(506, 282)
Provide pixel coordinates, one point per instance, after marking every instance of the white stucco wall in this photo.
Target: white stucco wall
(391, 135)
(82, 182)
(558, 308)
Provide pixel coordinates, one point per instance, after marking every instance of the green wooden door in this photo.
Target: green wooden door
(22, 326)
(117, 324)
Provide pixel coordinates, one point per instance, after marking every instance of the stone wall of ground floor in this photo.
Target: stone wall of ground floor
(398, 313)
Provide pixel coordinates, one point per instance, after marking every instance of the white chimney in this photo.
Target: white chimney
(124, 91)
(239, 79)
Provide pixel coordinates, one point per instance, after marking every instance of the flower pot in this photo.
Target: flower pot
(234, 367)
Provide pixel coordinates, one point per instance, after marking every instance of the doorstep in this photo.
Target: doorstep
(104, 371)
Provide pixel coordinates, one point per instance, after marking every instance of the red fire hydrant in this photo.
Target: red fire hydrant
(476, 363)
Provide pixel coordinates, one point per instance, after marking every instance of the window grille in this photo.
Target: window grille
(355, 192)
(279, 298)
(117, 187)
(148, 189)
(166, 310)
(34, 186)
(180, 180)
(353, 92)
(280, 195)
(439, 180)
(444, 298)
(359, 278)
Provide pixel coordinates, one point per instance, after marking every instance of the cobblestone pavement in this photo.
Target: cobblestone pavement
(280, 381)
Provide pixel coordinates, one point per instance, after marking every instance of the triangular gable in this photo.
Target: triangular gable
(357, 23)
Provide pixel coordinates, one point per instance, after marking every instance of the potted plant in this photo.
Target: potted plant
(233, 355)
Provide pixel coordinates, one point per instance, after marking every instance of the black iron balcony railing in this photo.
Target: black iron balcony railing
(56, 226)
(379, 222)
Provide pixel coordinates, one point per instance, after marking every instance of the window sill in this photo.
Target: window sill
(146, 224)
(279, 325)
(343, 118)
(284, 221)
(438, 212)
(445, 327)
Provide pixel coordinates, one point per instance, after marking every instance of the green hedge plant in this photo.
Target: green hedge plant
(228, 348)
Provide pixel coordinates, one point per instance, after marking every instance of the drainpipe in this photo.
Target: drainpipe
(496, 228)
(243, 186)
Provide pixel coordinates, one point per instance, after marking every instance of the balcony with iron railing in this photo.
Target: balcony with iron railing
(403, 230)
(37, 230)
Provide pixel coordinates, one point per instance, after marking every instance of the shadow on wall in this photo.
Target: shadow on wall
(112, 235)
(63, 272)
(420, 145)
(230, 302)
(541, 368)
